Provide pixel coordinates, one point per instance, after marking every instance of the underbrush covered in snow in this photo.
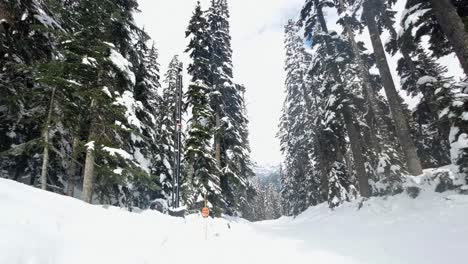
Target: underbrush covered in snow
(433, 180)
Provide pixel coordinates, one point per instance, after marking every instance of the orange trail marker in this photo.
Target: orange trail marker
(205, 212)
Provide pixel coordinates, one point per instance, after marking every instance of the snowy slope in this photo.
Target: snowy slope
(37, 227)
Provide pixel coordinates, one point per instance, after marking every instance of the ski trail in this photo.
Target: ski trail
(38, 227)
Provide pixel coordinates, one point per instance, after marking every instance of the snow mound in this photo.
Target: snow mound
(39, 227)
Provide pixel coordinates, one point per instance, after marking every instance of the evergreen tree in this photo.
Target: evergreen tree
(231, 136)
(370, 10)
(169, 120)
(338, 104)
(146, 141)
(452, 25)
(26, 39)
(204, 171)
(383, 162)
(296, 143)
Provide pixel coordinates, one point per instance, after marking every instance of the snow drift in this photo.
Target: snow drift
(38, 227)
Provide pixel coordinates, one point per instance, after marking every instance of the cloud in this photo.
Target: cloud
(258, 56)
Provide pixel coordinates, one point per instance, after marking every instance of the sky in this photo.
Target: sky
(258, 56)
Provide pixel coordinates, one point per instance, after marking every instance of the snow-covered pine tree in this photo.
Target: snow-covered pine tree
(204, 172)
(411, 71)
(26, 39)
(420, 21)
(236, 150)
(330, 64)
(168, 120)
(146, 142)
(329, 127)
(426, 25)
(427, 80)
(231, 136)
(371, 9)
(383, 162)
(106, 102)
(300, 188)
(105, 79)
(451, 23)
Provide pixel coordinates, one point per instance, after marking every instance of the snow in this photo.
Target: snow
(11, 134)
(24, 16)
(118, 171)
(90, 145)
(122, 153)
(143, 162)
(45, 19)
(127, 100)
(458, 144)
(74, 82)
(465, 116)
(123, 65)
(425, 80)
(89, 61)
(105, 89)
(40, 227)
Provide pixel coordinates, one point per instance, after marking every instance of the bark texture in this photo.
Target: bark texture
(73, 167)
(88, 176)
(46, 137)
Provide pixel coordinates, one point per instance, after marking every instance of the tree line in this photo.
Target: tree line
(85, 112)
(345, 130)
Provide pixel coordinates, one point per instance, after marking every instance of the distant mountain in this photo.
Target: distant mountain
(266, 170)
(266, 176)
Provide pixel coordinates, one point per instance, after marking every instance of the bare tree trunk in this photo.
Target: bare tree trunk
(45, 160)
(454, 29)
(88, 176)
(356, 148)
(72, 171)
(218, 140)
(401, 123)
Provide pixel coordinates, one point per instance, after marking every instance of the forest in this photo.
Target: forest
(85, 110)
(346, 131)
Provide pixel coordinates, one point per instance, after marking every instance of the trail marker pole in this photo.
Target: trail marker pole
(178, 135)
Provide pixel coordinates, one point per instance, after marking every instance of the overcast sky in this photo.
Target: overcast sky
(257, 40)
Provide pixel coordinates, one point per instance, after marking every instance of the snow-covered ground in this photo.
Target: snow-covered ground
(38, 227)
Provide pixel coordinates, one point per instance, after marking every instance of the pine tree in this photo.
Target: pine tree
(383, 162)
(169, 120)
(146, 141)
(107, 89)
(333, 71)
(297, 117)
(84, 93)
(231, 136)
(26, 39)
(204, 175)
(422, 20)
(401, 122)
(454, 29)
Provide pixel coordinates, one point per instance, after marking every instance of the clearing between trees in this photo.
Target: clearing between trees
(40, 227)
